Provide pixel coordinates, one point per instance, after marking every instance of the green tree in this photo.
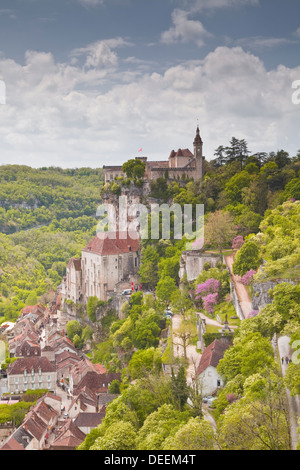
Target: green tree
(179, 388)
(249, 355)
(144, 362)
(120, 437)
(73, 328)
(165, 288)
(148, 269)
(194, 435)
(219, 230)
(91, 308)
(248, 257)
(134, 168)
(158, 426)
(185, 333)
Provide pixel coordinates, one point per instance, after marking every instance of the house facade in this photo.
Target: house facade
(106, 261)
(208, 378)
(31, 373)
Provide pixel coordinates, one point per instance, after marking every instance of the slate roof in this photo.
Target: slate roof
(19, 440)
(29, 363)
(89, 419)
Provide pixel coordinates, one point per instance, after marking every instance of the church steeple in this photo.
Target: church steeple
(198, 139)
(198, 144)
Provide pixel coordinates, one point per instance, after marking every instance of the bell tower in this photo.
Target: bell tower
(198, 155)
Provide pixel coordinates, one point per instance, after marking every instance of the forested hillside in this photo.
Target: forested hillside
(46, 216)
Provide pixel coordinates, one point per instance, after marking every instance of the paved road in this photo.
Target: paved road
(285, 351)
(192, 355)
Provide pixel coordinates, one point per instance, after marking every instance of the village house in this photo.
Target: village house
(84, 401)
(34, 431)
(28, 348)
(28, 334)
(64, 362)
(79, 370)
(207, 376)
(68, 438)
(94, 377)
(88, 421)
(31, 373)
(182, 163)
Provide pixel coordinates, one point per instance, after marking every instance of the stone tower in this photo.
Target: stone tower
(198, 149)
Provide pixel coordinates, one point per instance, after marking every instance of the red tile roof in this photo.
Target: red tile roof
(69, 437)
(212, 355)
(12, 444)
(121, 243)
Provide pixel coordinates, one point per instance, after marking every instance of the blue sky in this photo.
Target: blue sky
(90, 82)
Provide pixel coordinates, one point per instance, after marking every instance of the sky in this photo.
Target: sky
(87, 83)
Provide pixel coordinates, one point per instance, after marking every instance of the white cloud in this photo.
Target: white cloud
(91, 2)
(184, 30)
(66, 115)
(101, 53)
(262, 42)
(201, 5)
(297, 32)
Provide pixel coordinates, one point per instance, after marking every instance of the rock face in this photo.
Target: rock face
(260, 296)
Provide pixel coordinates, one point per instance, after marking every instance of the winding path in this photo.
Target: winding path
(241, 291)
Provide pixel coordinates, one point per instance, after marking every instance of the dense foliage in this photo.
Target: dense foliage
(252, 211)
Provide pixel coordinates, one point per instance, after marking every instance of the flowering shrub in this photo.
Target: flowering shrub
(231, 397)
(208, 292)
(248, 277)
(211, 286)
(209, 301)
(253, 314)
(238, 242)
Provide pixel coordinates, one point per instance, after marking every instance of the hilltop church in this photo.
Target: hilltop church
(182, 162)
(107, 264)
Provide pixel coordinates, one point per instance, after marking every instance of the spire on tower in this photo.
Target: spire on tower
(197, 139)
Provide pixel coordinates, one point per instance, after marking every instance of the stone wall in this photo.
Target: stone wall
(192, 263)
(260, 296)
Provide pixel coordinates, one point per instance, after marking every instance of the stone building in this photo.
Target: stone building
(105, 262)
(181, 163)
(207, 376)
(31, 373)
